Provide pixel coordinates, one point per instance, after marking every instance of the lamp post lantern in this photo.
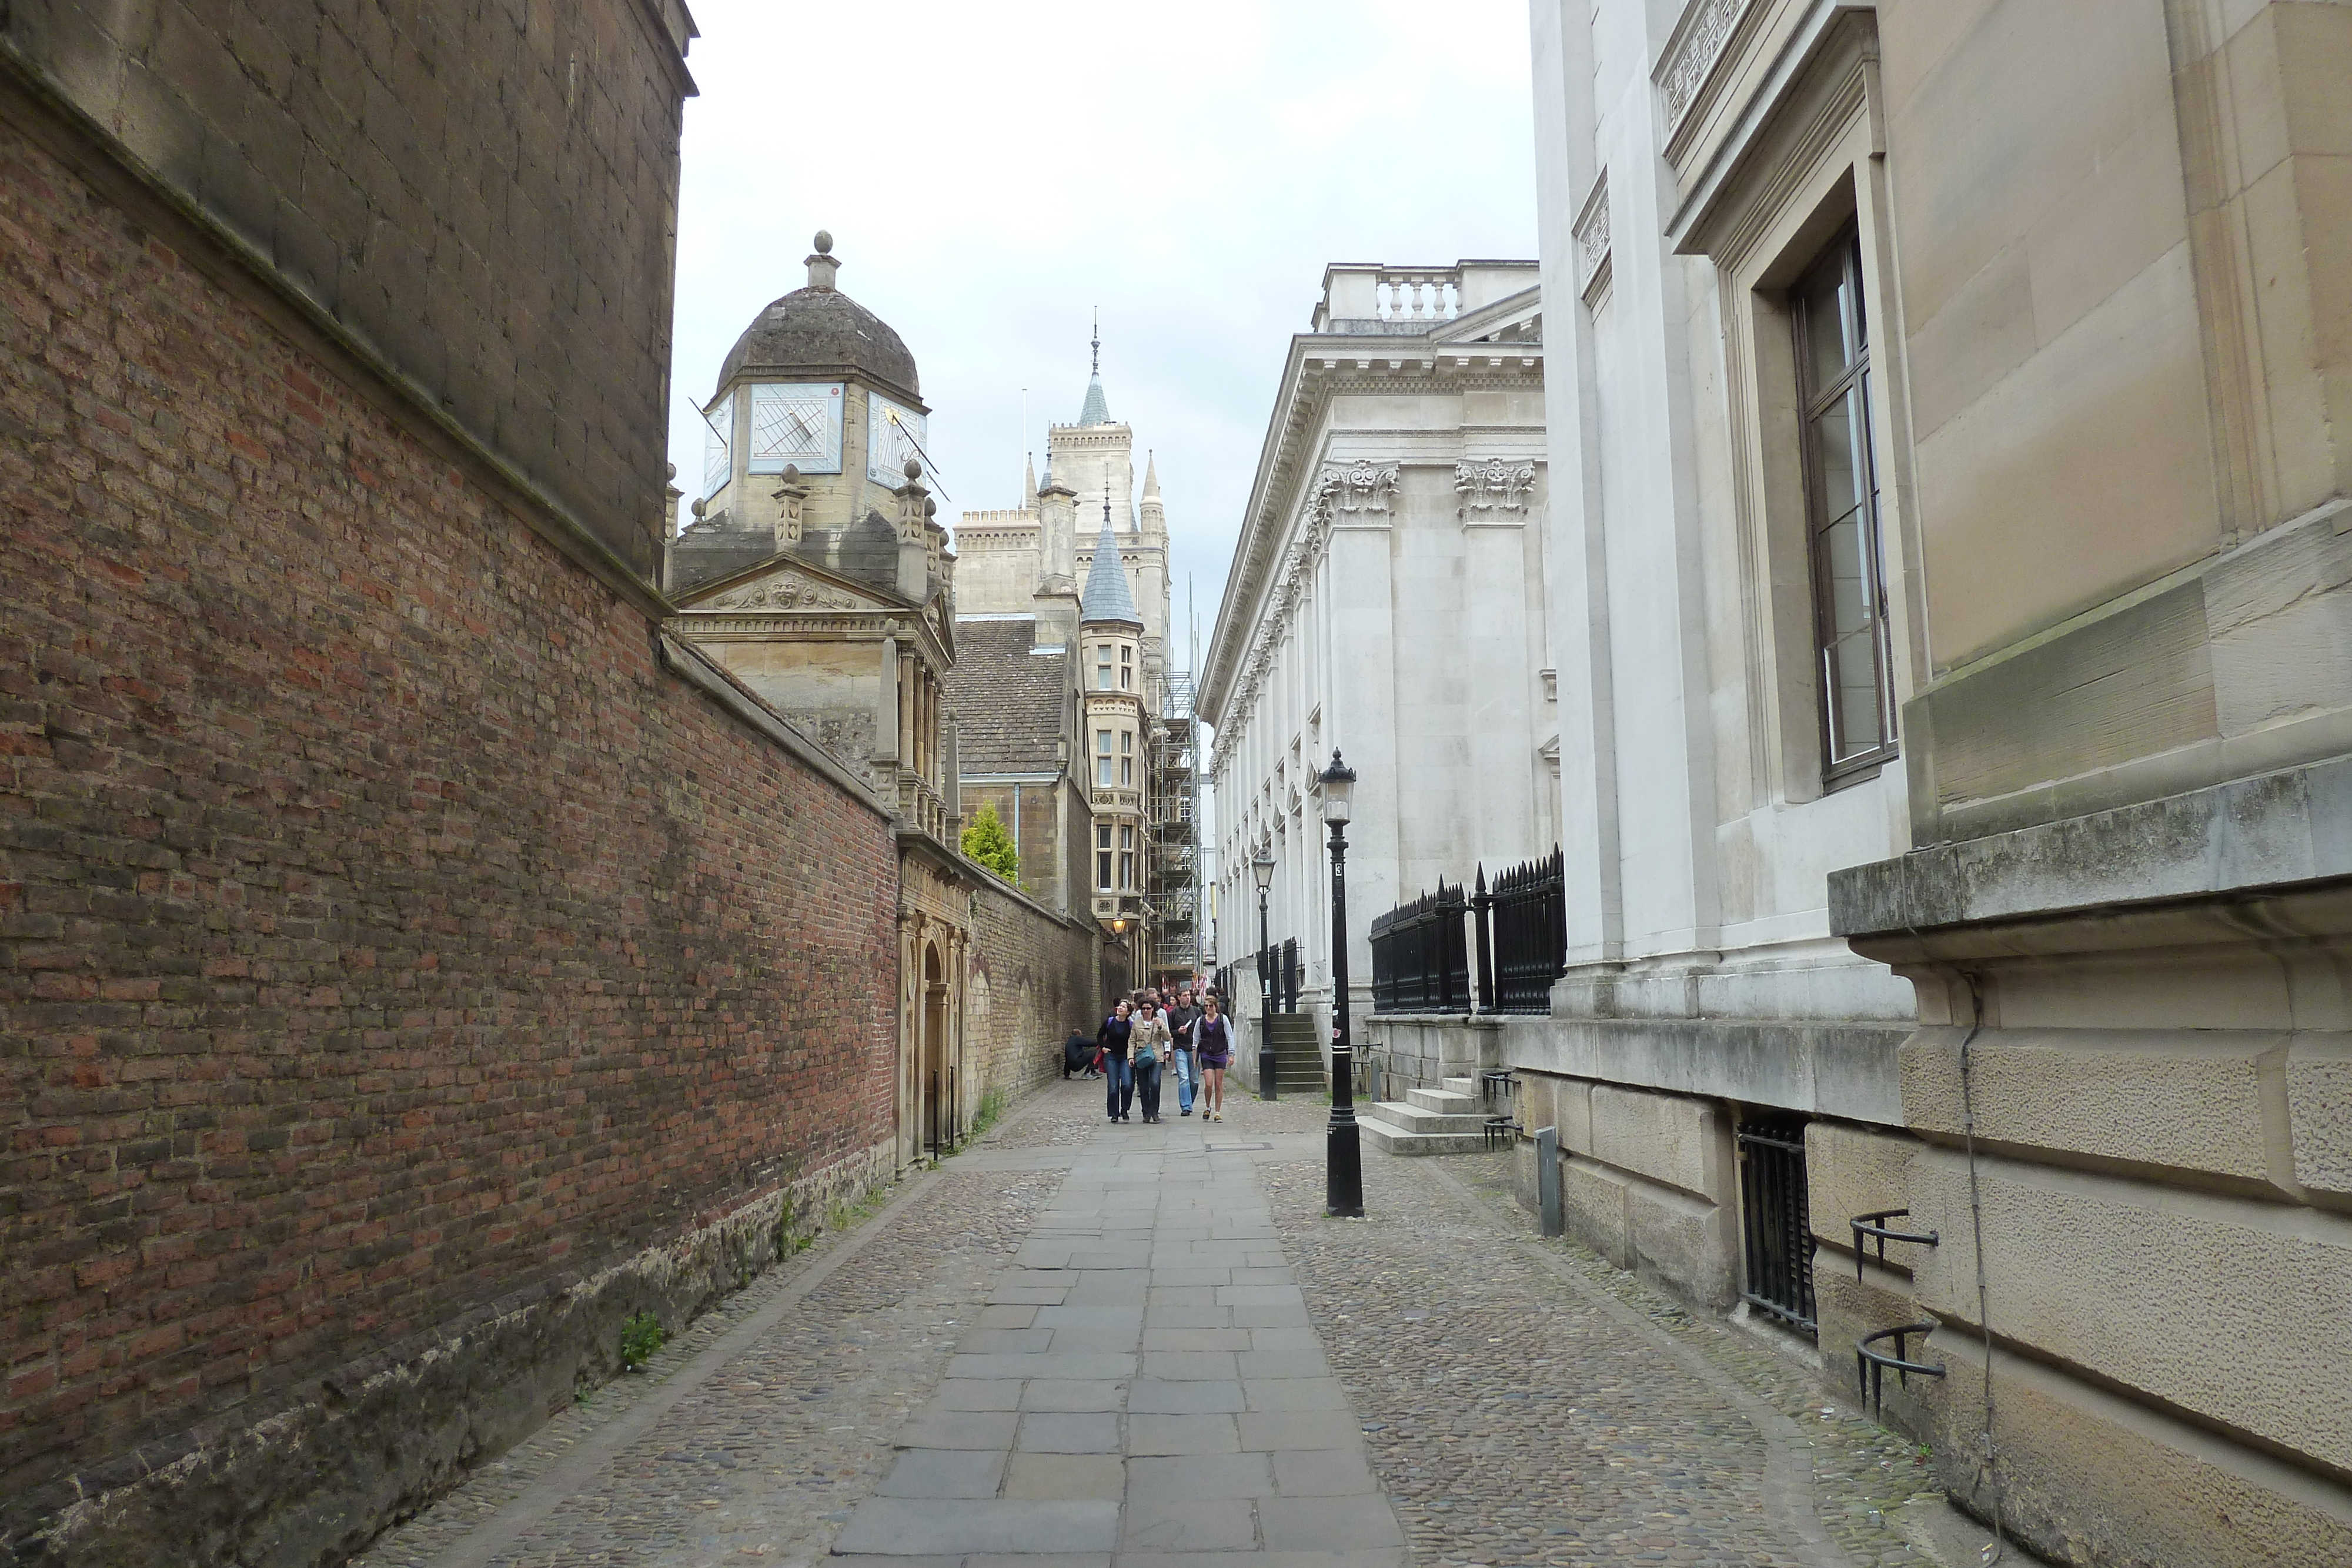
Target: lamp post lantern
(1344, 1153)
(1262, 868)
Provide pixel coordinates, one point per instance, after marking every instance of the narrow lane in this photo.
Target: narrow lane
(1098, 1346)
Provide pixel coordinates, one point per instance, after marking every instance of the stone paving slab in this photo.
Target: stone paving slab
(890, 1526)
(1089, 1346)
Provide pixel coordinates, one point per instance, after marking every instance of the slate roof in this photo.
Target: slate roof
(1107, 597)
(1007, 700)
(1098, 408)
(821, 329)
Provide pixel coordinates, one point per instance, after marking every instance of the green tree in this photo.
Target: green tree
(986, 841)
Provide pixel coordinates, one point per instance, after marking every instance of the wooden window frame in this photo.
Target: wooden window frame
(1842, 254)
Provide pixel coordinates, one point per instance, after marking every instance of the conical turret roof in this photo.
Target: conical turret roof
(1107, 597)
(1096, 410)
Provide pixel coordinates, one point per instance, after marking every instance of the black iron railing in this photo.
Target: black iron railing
(1276, 968)
(1525, 920)
(1775, 1222)
(1421, 961)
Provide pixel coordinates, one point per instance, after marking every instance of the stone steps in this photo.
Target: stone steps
(1411, 1118)
(1393, 1137)
(1297, 1059)
(1451, 1120)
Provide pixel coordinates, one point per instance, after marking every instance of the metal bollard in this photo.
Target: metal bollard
(1548, 1180)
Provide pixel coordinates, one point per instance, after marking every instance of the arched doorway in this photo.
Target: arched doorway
(932, 1078)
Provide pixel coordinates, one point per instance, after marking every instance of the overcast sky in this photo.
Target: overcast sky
(992, 170)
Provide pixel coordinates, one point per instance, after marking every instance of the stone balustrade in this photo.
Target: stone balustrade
(1364, 297)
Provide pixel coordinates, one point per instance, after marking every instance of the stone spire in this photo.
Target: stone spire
(1029, 480)
(1152, 518)
(1096, 410)
(1107, 597)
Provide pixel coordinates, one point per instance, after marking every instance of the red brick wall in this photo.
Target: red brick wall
(1042, 978)
(386, 941)
(486, 193)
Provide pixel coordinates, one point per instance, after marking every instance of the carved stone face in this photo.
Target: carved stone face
(784, 590)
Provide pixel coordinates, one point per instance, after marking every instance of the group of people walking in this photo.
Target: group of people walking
(1144, 1037)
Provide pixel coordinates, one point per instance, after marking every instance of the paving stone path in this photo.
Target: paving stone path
(1083, 1345)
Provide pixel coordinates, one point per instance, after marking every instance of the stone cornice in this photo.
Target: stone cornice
(1319, 369)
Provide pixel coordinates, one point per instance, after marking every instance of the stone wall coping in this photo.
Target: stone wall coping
(2273, 831)
(698, 669)
(1463, 1020)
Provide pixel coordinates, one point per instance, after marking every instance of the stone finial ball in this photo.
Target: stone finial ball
(914, 467)
(823, 242)
(791, 474)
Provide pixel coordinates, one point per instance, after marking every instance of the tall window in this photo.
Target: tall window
(1849, 620)
(1127, 759)
(1102, 759)
(1127, 857)
(1102, 667)
(1102, 856)
(1126, 668)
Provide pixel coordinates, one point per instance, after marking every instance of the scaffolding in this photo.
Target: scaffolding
(1175, 820)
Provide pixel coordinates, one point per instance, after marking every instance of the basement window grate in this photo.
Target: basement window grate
(1776, 1224)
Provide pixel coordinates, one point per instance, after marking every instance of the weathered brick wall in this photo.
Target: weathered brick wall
(390, 949)
(486, 193)
(1042, 978)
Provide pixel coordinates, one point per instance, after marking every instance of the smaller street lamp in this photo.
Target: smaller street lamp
(1262, 868)
(1343, 1151)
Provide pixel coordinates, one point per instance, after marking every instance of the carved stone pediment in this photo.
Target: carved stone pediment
(786, 588)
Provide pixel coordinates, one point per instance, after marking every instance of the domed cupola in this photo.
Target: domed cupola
(819, 332)
(809, 435)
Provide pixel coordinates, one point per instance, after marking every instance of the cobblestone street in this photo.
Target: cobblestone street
(1080, 1343)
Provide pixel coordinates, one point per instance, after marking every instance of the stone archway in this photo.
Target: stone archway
(935, 1069)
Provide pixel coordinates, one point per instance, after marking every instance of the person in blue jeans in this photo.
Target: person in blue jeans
(1148, 1044)
(1119, 1077)
(1181, 1018)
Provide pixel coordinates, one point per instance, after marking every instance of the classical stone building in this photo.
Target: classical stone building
(1386, 601)
(1948, 550)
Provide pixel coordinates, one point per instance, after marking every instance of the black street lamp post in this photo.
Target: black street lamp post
(1344, 1153)
(1262, 868)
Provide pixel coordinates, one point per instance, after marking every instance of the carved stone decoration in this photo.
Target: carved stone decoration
(1593, 241)
(783, 591)
(1706, 29)
(1360, 486)
(1492, 487)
